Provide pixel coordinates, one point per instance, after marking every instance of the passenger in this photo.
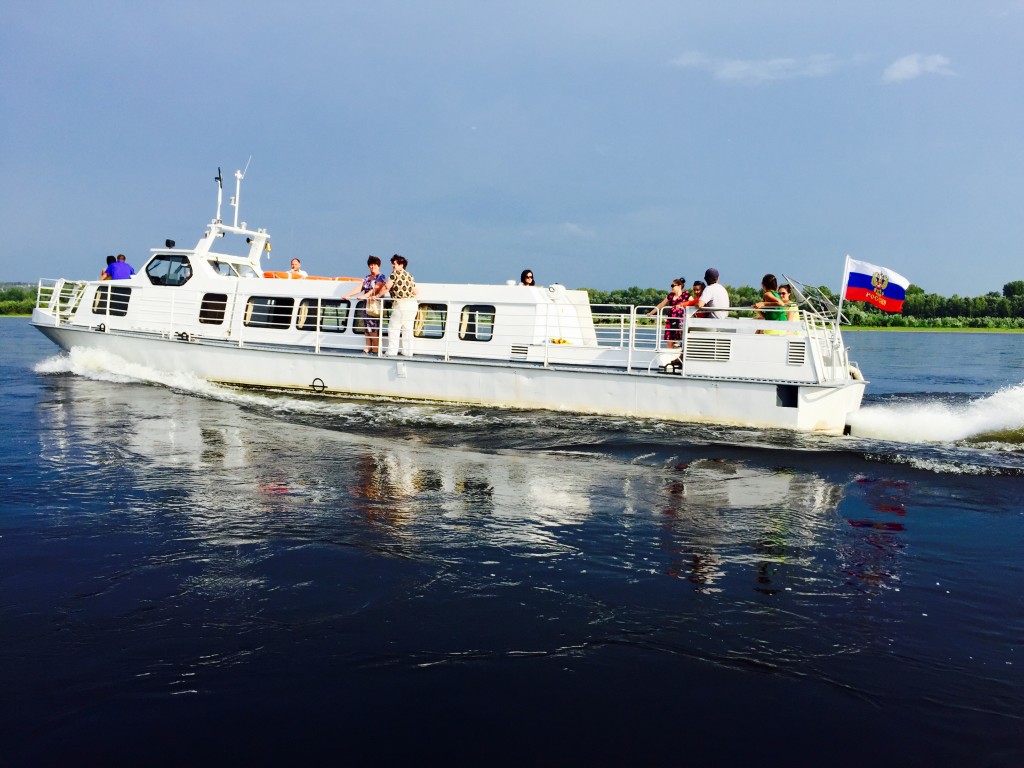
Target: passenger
(786, 294)
(675, 314)
(770, 301)
(526, 278)
(123, 260)
(770, 291)
(697, 290)
(371, 288)
(117, 270)
(403, 310)
(714, 295)
(296, 270)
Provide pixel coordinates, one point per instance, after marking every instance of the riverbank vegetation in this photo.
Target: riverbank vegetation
(17, 298)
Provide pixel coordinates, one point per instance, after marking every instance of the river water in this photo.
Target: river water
(193, 573)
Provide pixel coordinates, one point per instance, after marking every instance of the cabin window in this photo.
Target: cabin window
(212, 309)
(269, 311)
(359, 319)
(333, 315)
(223, 268)
(111, 300)
(244, 270)
(430, 321)
(169, 270)
(477, 322)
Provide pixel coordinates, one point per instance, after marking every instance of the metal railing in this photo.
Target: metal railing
(610, 334)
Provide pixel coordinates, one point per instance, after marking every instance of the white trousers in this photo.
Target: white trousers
(403, 314)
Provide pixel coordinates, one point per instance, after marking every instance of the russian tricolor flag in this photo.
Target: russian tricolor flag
(875, 285)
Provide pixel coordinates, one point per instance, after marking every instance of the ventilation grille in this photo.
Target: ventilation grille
(715, 350)
(519, 351)
(796, 352)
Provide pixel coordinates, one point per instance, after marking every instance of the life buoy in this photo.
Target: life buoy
(290, 276)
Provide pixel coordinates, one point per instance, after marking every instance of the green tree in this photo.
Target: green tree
(1012, 289)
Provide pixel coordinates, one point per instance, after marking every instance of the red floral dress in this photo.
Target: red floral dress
(675, 313)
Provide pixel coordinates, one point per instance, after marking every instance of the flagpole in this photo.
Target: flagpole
(842, 291)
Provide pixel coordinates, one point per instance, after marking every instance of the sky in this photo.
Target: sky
(600, 144)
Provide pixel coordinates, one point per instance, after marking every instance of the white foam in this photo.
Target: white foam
(99, 365)
(941, 422)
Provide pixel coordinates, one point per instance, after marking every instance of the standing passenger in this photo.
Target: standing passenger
(526, 278)
(771, 301)
(296, 270)
(403, 311)
(792, 311)
(117, 270)
(121, 258)
(676, 312)
(714, 295)
(371, 288)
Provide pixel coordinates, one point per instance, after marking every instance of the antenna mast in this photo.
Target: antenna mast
(220, 191)
(239, 175)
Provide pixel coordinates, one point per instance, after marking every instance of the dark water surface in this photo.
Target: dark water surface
(190, 573)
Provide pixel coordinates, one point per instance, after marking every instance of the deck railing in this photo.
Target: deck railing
(621, 335)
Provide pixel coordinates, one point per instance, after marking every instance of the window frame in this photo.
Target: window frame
(271, 310)
(469, 316)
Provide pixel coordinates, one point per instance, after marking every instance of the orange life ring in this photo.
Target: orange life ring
(290, 276)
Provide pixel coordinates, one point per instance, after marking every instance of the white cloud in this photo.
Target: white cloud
(755, 71)
(915, 65)
(575, 230)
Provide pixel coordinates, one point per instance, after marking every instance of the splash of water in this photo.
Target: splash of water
(99, 365)
(999, 417)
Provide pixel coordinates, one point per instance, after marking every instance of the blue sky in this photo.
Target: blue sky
(600, 144)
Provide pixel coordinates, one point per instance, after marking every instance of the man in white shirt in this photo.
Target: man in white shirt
(296, 270)
(714, 295)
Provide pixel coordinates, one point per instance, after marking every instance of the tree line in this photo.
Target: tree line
(920, 309)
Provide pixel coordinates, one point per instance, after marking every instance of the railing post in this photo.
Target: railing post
(318, 321)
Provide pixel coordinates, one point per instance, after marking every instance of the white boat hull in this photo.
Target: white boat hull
(809, 408)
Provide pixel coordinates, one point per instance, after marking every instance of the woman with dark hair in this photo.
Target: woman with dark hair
(526, 278)
(403, 309)
(105, 274)
(786, 294)
(675, 314)
(771, 299)
(371, 289)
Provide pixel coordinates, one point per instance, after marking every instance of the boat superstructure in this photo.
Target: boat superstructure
(220, 316)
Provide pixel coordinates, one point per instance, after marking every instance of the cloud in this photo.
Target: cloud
(575, 230)
(756, 71)
(915, 65)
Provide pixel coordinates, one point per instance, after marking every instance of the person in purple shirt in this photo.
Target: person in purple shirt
(119, 269)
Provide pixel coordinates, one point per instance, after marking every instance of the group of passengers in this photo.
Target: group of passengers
(117, 268)
(708, 296)
(776, 303)
(712, 300)
(401, 289)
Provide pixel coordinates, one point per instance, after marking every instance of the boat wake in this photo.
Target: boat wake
(984, 436)
(994, 422)
(336, 412)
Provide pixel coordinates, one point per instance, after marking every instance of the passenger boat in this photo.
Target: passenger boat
(213, 311)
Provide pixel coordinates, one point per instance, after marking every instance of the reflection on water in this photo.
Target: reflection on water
(228, 549)
(235, 474)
